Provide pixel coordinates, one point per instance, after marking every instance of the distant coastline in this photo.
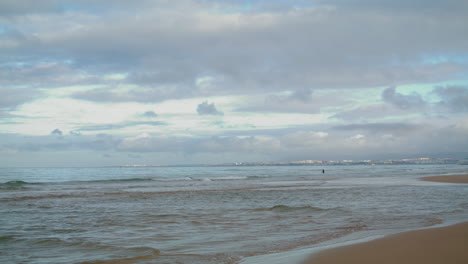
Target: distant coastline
(416, 161)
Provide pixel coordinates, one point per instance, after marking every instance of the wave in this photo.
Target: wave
(49, 196)
(122, 180)
(285, 208)
(228, 178)
(19, 184)
(14, 185)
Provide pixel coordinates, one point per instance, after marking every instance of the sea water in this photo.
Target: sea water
(212, 214)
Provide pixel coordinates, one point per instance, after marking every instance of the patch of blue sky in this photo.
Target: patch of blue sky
(297, 4)
(31, 62)
(77, 7)
(302, 4)
(4, 29)
(437, 59)
(247, 6)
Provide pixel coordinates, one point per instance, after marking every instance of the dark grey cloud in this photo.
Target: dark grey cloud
(298, 101)
(11, 8)
(143, 95)
(23, 7)
(12, 97)
(103, 127)
(100, 142)
(414, 100)
(149, 114)
(454, 98)
(206, 108)
(40, 74)
(304, 95)
(57, 132)
(281, 104)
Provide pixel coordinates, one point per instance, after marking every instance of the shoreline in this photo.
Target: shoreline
(447, 179)
(432, 245)
(438, 245)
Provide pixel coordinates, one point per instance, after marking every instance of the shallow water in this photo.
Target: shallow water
(210, 214)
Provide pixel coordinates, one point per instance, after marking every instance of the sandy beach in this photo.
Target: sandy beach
(430, 246)
(449, 179)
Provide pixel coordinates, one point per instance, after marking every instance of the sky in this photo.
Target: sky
(103, 83)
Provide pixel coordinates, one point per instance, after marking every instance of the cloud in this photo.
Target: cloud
(57, 132)
(454, 98)
(206, 108)
(150, 143)
(141, 94)
(23, 7)
(291, 103)
(303, 95)
(172, 44)
(101, 142)
(316, 58)
(103, 127)
(390, 96)
(50, 143)
(354, 141)
(49, 74)
(12, 97)
(296, 101)
(381, 128)
(75, 133)
(370, 112)
(149, 114)
(451, 98)
(401, 5)
(308, 139)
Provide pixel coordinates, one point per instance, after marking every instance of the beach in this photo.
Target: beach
(449, 179)
(428, 246)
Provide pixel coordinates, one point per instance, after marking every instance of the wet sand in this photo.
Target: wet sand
(429, 246)
(450, 178)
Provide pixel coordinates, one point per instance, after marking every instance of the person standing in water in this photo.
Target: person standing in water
(323, 171)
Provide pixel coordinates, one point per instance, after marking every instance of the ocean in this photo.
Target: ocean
(213, 214)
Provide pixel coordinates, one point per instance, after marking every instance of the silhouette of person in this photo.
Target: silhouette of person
(323, 171)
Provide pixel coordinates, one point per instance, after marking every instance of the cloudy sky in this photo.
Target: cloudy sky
(112, 82)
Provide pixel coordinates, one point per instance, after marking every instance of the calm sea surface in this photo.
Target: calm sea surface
(211, 214)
